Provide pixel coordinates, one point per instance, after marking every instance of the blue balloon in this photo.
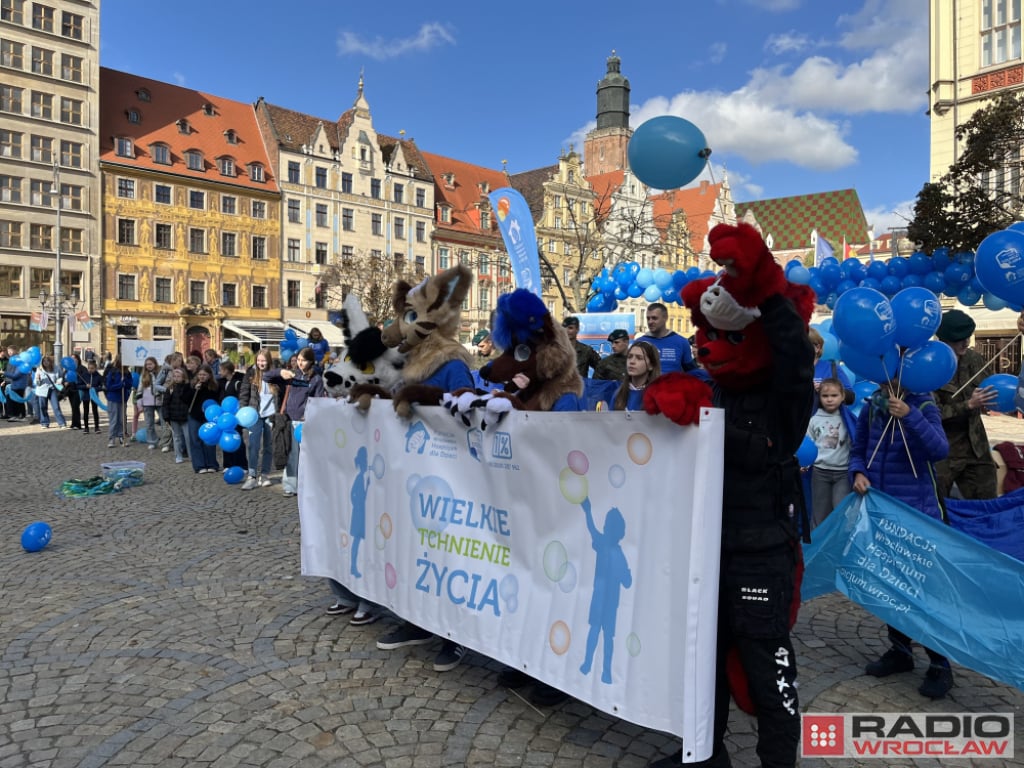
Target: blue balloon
(850, 267)
(234, 475)
(1005, 385)
(898, 267)
(878, 270)
(993, 302)
(634, 290)
(844, 286)
(662, 278)
(209, 433)
(918, 313)
(959, 275)
(645, 277)
(817, 285)
(229, 441)
(792, 264)
(652, 293)
(594, 304)
(830, 275)
(226, 422)
(829, 261)
(940, 258)
(298, 431)
(910, 280)
(968, 296)
(33, 356)
(873, 367)
(1000, 265)
(870, 282)
(928, 367)
(800, 275)
(620, 294)
(825, 326)
(247, 416)
(679, 279)
(934, 282)
(212, 411)
(229, 404)
(667, 152)
(68, 363)
(670, 295)
(831, 299)
(621, 275)
(890, 285)
(692, 273)
(71, 376)
(830, 346)
(136, 379)
(36, 536)
(286, 354)
(1017, 225)
(141, 434)
(863, 319)
(807, 452)
(919, 263)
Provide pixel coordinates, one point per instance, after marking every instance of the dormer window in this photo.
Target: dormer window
(446, 214)
(183, 126)
(208, 109)
(256, 173)
(123, 147)
(142, 95)
(484, 187)
(449, 180)
(161, 154)
(485, 220)
(133, 115)
(231, 136)
(194, 160)
(227, 166)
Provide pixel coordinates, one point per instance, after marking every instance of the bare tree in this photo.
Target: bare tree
(613, 228)
(370, 276)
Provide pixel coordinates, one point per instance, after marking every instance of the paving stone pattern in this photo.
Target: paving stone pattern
(168, 625)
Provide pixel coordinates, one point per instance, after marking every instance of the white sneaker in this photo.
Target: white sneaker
(152, 447)
(110, 444)
(165, 449)
(265, 482)
(249, 484)
(179, 459)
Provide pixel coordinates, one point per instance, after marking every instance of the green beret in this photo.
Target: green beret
(480, 336)
(955, 326)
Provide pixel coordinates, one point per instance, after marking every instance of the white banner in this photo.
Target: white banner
(484, 536)
(135, 351)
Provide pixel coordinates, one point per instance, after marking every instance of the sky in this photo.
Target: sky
(793, 96)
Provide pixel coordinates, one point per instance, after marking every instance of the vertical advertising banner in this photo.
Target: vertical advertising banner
(581, 548)
(516, 226)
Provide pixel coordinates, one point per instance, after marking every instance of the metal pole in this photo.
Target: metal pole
(58, 304)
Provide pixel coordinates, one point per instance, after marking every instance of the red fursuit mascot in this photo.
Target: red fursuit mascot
(752, 343)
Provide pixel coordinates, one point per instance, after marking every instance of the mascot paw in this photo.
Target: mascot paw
(362, 402)
(677, 396)
(403, 409)
(462, 405)
(498, 407)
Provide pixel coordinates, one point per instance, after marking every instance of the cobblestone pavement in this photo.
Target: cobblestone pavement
(168, 626)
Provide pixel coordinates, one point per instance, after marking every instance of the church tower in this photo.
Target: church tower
(604, 148)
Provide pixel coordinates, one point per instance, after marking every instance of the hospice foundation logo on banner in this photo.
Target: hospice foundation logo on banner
(925, 734)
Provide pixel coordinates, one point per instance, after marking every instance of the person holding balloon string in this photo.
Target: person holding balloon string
(16, 375)
(118, 385)
(961, 401)
(90, 383)
(298, 385)
(203, 392)
(48, 384)
(176, 405)
(72, 365)
(230, 388)
(257, 393)
(898, 439)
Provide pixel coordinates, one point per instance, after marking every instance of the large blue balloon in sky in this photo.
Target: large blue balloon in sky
(999, 265)
(667, 152)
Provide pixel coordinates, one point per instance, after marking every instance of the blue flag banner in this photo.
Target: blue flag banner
(516, 226)
(936, 584)
(996, 522)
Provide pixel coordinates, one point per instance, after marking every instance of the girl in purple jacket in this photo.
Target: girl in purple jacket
(898, 439)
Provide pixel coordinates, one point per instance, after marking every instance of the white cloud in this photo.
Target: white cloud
(787, 42)
(179, 78)
(430, 35)
(716, 52)
(885, 218)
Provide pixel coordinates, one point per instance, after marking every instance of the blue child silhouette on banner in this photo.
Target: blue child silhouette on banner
(611, 571)
(357, 527)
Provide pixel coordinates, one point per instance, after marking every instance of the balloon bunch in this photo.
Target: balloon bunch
(220, 427)
(881, 340)
(292, 343)
(628, 280)
(70, 369)
(25, 361)
(941, 273)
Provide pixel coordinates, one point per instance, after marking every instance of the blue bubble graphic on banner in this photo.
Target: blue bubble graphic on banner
(428, 502)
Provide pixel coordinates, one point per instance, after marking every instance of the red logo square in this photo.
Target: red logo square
(823, 736)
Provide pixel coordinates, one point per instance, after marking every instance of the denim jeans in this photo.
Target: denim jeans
(290, 478)
(149, 411)
(203, 456)
(115, 414)
(179, 435)
(260, 437)
(44, 416)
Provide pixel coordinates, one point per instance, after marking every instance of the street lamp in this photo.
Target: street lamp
(60, 307)
(58, 292)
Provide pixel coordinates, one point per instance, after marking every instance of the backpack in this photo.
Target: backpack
(1013, 456)
(281, 438)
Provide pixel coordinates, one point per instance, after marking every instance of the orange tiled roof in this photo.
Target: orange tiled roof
(697, 202)
(294, 129)
(465, 193)
(209, 119)
(604, 186)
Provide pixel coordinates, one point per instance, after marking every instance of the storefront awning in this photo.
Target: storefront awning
(330, 332)
(265, 332)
